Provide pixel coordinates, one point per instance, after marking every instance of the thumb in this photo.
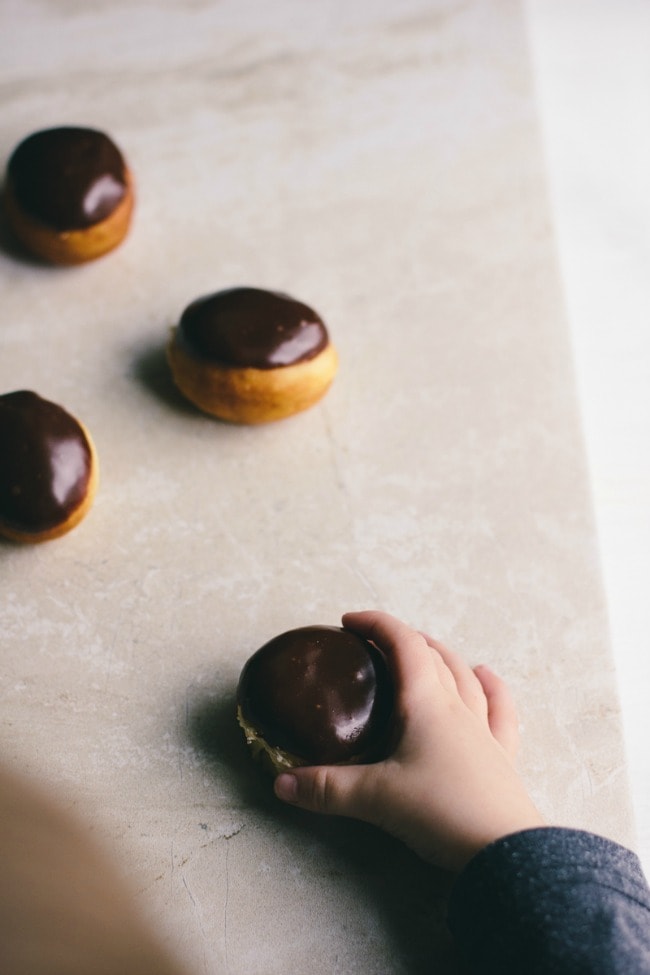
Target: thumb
(333, 789)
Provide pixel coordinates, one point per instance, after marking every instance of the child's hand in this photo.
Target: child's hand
(450, 786)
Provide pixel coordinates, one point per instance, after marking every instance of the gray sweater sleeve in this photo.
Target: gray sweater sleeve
(554, 901)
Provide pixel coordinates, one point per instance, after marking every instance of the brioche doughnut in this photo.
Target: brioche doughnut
(68, 194)
(49, 470)
(316, 695)
(251, 356)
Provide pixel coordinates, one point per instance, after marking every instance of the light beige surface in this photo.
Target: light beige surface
(381, 162)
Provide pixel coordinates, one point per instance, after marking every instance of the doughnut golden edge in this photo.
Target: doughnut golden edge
(247, 395)
(70, 247)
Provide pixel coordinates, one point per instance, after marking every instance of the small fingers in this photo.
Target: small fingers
(501, 711)
(333, 790)
(409, 655)
(406, 651)
(414, 665)
(467, 683)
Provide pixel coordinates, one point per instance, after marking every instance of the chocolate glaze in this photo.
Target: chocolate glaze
(321, 693)
(67, 178)
(45, 463)
(251, 327)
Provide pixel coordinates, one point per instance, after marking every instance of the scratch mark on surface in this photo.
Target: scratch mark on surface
(334, 457)
(191, 896)
(199, 919)
(228, 834)
(368, 584)
(143, 890)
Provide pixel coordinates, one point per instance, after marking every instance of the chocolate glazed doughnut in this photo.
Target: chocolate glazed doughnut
(68, 194)
(316, 695)
(49, 470)
(248, 355)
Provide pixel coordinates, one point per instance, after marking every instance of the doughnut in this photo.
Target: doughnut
(68, 194)
(248, 355)
(49, 470)
(316, 695)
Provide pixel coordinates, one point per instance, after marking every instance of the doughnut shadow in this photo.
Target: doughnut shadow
(10, 246)
(214, 732)
(150, 368)
(407, 896)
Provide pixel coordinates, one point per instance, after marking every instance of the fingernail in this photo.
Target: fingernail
(286, 787)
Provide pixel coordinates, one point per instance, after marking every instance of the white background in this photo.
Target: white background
(592, 64)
